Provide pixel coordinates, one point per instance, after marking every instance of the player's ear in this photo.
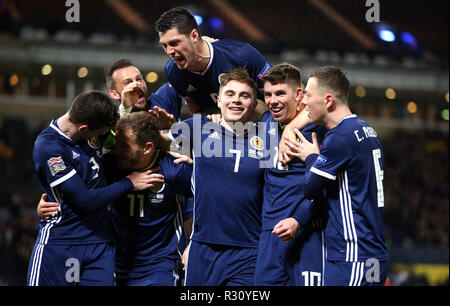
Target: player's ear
(81, 127)
(298, 97)
(148, 147)
(329, 100)
(218, 100)
(194, 35)
(114, 94)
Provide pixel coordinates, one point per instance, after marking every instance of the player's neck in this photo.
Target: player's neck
(236, 127)
(149, 161)
(336, 117)
(202, 56)
(67, 127)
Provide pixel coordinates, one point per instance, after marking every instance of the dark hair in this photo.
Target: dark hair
(240, 75)
(95, 109)
(284, 73)
(109, 71)
(142, 124)
(177, 17)
(334, 79)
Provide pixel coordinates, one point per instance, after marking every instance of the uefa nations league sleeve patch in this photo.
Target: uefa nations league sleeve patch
(56, 164)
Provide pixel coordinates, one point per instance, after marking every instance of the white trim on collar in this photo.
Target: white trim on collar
(57, 129)
(347, 117)
(211, 57)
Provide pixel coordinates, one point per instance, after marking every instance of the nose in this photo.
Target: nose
(170, 50)
(270, 99)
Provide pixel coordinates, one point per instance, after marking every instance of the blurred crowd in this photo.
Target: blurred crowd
(416, 178)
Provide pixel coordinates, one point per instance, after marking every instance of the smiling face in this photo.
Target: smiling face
(179, 47)
(124, 76)
(283, 101)
(236, 102)
(315, 101)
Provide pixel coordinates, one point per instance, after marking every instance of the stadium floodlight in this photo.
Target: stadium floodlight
(198, 19)
(216, 23)
(386, 35)
(409, 39)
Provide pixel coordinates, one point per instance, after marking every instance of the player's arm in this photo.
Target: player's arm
(167, 98)
(314, 181)
(299, 122)
(179, 137)
(286, 229)
(77, 193)
(188, 229)
(129, 97)
(46, 209)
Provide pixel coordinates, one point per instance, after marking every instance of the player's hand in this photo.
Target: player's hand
(165, 120)
(147, 179)
(131, 94)
(303, 148)
(209, 39)
(184, 258)
(283, 155)
(46, 209)
(215, 117)
(286, 229)
(180, 158)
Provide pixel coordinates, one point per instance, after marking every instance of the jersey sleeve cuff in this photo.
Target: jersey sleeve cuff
(63, 179)
(124, 110)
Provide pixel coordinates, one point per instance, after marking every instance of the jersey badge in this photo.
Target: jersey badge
(56, 164)
(94, 143)
(219, 78)
(257, 143)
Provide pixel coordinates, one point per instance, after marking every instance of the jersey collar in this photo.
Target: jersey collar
(55, 127)
(347, 117)
(152, 164)
(211, 57)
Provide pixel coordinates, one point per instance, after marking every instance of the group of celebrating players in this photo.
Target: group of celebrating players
(288, 191)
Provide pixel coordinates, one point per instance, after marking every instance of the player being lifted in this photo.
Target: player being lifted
(195, 64)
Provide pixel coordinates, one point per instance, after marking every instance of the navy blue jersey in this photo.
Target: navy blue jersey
(283, 196)
(166, 97)
(227, 182)
(203, 87)
(72, 174)
(148, 224)
(350, 165)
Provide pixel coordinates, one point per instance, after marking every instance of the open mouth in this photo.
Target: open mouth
(141, 98)
(236, 109)
(179, 60)
(276, 111)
